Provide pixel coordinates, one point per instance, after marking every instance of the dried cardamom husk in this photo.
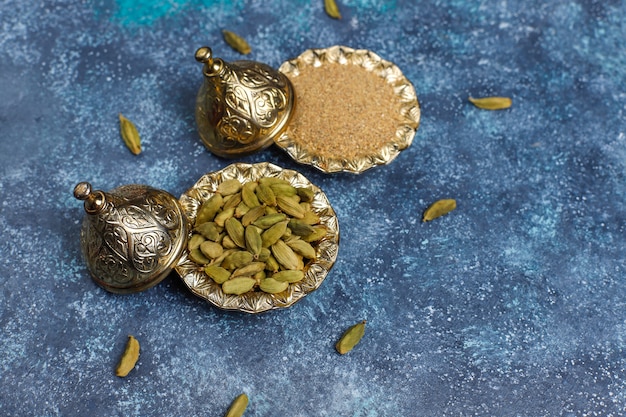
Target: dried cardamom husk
(438, 209)
(238, 406)
(492, 103)
(130, 135)
(331, 9)
(236, 42)
(350, 338)
(129, 357)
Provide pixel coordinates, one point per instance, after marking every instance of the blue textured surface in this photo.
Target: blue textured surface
(512, 305)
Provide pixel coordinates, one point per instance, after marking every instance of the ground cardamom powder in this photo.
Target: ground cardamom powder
(343, 111)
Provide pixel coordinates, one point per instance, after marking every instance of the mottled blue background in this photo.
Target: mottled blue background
(512, 305)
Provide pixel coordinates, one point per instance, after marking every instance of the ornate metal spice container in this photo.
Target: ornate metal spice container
(351, 110)
(242, 106)
(133, 236)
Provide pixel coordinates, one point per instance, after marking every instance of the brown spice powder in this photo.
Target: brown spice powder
(343, 111)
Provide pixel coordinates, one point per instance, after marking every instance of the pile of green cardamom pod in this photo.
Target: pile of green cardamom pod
(258, 235)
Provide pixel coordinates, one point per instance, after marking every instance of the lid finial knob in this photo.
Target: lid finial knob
(94, 200)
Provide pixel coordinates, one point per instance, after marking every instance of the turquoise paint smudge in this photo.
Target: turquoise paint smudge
(147, 12)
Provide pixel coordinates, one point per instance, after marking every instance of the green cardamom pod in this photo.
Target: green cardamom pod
(271, 264)
(228, 243)
(237, 259)
(236, 42)
(249, 270)
(318, 233)
(198, 257)
(306, 194)
(271, 235)
(252, 215)
(235, 230)
(438, 209)
(285, 256)
(269, 220)
(290, 207)
(286, 190)
(289, 275)
(211, 250)
(264, 255)
(303, 248)
(310, 218)
(209, 230)
(130, 135)
(195, 241)
(129, 357)
(232, 200)
(265, 195)
(238, 286)
(222, 216)
(228, 187)
(331, 9)
(209, 209)
(254, 242)
(271, 286)
(217, 273)
(238, 406)
(269, 181)
(300, 227)
(350, 338)
(248, 195)
(241, 210)
(492, 103)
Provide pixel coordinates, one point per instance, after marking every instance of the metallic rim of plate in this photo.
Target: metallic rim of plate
(404, 90)
(255, 302)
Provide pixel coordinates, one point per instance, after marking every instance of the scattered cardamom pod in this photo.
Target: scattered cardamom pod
(236, 42)
(238, 406)
(130, 135)
(350, 338)
(438, 209)
(492, 103)
(129, 357)
(331, 9)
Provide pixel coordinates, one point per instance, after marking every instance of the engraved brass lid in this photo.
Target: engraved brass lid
(241, 106)
(132, 236)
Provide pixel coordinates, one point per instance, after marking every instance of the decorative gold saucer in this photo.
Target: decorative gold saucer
(407, 117)
(257, 301)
